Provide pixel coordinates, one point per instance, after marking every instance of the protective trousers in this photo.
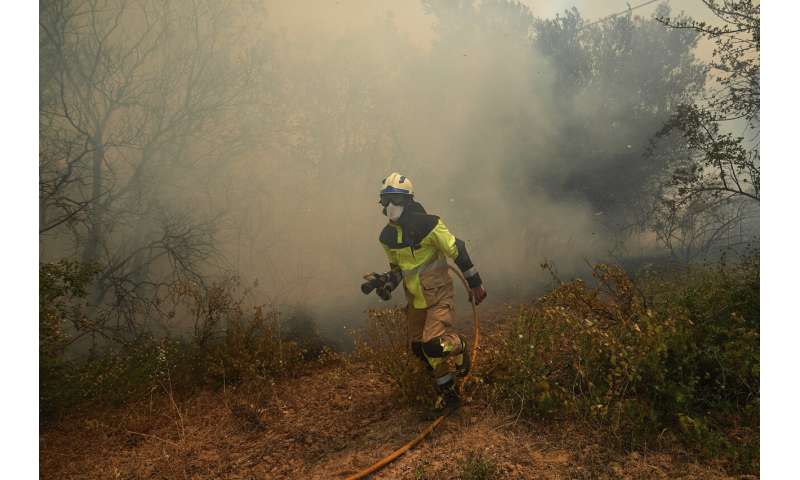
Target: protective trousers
(429, 329)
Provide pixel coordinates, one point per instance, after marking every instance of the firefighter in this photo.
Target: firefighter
(417, 245)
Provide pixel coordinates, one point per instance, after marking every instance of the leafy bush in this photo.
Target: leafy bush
(62, 291)
(585, 351)
(678, 353)
(713, 386)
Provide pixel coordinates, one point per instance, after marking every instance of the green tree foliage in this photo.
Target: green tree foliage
(721, 163)
(595, 93)
(616, 83)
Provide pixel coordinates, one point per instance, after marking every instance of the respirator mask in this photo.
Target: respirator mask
(393, 205)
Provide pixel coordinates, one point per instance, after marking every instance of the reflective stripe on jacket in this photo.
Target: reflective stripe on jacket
(418, 245)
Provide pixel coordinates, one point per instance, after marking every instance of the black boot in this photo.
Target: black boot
(448, 399)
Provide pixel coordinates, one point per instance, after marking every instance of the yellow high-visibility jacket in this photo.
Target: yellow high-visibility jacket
(418, 245)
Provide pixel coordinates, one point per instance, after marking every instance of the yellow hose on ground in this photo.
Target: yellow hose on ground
(408, 446)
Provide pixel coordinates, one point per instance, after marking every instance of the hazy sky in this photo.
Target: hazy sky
(596, 9)
(410, 17)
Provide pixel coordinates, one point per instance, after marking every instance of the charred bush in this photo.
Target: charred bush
(301, 328)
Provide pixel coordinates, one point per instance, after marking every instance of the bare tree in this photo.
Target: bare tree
(703, 228)
(137, 99)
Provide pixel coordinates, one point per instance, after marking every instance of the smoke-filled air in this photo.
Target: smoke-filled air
(210, 183)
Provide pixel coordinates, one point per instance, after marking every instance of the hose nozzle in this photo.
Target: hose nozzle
(379, 282)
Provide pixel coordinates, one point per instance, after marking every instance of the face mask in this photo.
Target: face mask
(393, 212)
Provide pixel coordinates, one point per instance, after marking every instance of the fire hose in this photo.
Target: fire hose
(420, 436)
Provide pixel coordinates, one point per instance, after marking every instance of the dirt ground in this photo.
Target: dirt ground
(329, 423)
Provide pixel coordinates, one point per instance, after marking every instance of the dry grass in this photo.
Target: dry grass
(326, 424)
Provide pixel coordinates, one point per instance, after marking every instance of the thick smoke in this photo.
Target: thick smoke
(455, 98)
(504, 139)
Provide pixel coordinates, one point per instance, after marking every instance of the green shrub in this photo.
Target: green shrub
(585, 351)
(62, 292)
(677, 353)
(714, 356)
(713, 386)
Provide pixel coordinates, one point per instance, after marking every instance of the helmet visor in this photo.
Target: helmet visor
(393, 198)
